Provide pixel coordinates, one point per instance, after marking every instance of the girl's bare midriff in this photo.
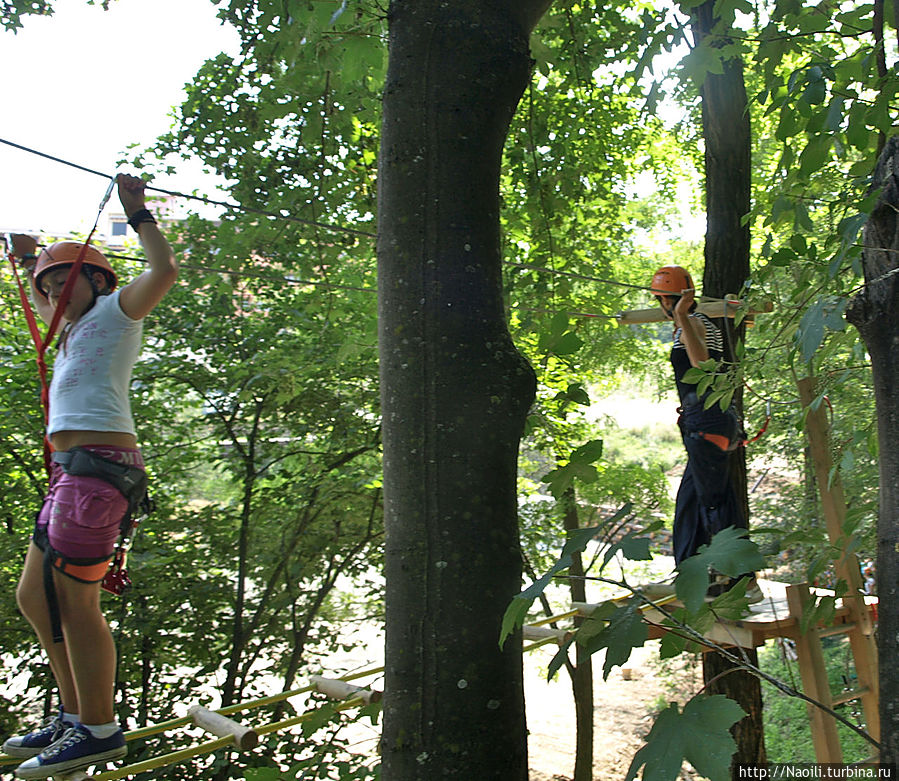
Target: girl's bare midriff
(66, 440)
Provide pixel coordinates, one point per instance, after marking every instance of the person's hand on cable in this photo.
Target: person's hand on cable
(131, 193)
(24, 247)
(683, 306)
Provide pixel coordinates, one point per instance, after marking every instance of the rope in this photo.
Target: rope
(202, 199)
(208, 747)
(41, 344)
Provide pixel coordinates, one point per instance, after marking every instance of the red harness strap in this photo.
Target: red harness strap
(41, 344)
(759, 433)
(726, 444)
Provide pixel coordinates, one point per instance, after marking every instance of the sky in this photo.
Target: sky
(83, 85)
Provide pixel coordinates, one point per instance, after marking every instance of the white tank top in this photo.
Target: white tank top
(92, 372)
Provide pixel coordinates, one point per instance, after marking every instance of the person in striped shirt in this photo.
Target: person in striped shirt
(707, 501)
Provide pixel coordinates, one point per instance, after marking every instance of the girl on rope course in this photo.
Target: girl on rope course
(92, 436)
(706, 500)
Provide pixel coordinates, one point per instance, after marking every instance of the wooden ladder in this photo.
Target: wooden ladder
(859, 626)
(815, 683)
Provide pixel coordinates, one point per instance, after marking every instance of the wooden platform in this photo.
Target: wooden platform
(780, 615)
(766, 620)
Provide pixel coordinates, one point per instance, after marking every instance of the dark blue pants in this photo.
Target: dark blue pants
(706, 499)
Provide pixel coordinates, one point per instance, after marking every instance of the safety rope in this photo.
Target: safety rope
(42, 343)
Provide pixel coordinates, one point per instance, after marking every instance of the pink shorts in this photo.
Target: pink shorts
(81, 515)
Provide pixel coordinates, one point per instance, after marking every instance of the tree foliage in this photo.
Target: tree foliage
(258, 397)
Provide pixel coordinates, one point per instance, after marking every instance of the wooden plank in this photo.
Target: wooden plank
(814, 682)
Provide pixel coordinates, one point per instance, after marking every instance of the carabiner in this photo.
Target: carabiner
(112, 183)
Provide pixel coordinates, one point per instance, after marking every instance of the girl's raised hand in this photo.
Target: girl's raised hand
(131, 193)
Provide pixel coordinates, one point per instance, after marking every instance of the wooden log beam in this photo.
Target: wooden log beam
(341, 690)
(530, 632)
(710, 308)
(245, 738)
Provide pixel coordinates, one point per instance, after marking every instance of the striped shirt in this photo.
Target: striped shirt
(714, 342)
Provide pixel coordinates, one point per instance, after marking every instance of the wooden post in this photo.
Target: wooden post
(530, 632)
(833, 506)
(814, 680)
(245, 738)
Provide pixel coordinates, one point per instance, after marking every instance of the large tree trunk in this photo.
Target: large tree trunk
(726, 130)
(454, 391)
(875, 312)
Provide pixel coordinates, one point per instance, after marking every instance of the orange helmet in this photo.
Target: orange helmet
(65, 253)
(671, 281)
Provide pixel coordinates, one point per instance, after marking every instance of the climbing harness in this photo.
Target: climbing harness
(729, 444)
(111, 571)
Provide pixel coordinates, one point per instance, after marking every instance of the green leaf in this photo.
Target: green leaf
(730, 552)
(576, 393)
(632, 546)
(816, 87)
(567, 344)
(318, 719)
(517, 610)
(624, 631)
(561, 478)
(789, 125)
(555, 664)
(834, 119)
(815, 154)
(588, 452)
(825, 314)
(700, 735)
(513, 618)
(703, 385)
(784, 257)
(701, 61)
(857, 132)
(693, 375)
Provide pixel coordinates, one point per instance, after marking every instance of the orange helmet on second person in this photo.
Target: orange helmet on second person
(65, 253)
(671, 281)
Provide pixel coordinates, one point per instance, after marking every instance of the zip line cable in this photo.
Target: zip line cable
(202, 199)
(290, 218)
(350, 231)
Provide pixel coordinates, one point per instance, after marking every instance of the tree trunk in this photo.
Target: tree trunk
(454, 391)
(727, 134)
(875, 312)
(582, 675)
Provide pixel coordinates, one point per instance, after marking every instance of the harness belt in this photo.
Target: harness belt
(131, 482)
(719, 440)
(727, 444)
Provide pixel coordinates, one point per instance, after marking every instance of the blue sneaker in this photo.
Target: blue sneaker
(76, 749)
(34, 743)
